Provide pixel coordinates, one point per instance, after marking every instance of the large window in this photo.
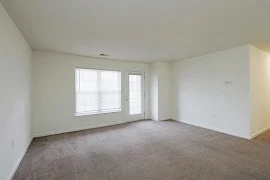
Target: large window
(97, 91)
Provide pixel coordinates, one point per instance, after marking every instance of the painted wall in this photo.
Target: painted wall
(54, 92)
(154, 91)
(202, 98)
(15, 80)
(160, 90)
(259, 91)
(164, 91)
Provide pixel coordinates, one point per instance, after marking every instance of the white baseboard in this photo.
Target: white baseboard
(213, 129)
(19, 161)
(259, 132)
(77, 129)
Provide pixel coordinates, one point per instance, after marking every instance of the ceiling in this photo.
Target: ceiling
(142, 30)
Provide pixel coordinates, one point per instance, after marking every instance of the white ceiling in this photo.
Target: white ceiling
(142, 30)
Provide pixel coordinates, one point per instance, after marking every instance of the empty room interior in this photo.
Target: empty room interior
(135, 90)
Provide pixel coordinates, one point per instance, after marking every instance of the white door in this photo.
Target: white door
(134, 96)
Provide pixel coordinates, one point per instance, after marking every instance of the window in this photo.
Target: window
(135, 95)
(97, 91)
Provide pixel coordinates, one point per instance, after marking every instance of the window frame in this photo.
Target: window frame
(78, 114)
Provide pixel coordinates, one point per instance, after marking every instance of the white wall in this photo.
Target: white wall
(54, 92)
(164, 91)
(160, 90)
(15, 77)
(154, 91)
(201, 97)
(259, 91)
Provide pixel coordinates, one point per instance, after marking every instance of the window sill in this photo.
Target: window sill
(90, 114)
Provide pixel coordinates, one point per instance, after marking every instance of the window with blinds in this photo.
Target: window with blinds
(97, 91)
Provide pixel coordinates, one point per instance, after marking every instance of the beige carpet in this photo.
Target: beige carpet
(145, 150)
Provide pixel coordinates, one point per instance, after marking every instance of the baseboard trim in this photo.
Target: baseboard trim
(212, 128)
(259, 132)
(19, 161)
(77, 129)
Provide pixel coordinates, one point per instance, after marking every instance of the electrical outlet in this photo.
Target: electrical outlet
(12, 144)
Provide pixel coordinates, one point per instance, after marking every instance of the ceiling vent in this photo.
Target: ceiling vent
(104, 55)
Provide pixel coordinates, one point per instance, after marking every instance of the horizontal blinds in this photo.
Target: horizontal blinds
(97, 91)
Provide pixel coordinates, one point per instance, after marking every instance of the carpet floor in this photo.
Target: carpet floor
(264, 137)
(145, 150)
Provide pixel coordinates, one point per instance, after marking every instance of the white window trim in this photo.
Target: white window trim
(98, 113)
